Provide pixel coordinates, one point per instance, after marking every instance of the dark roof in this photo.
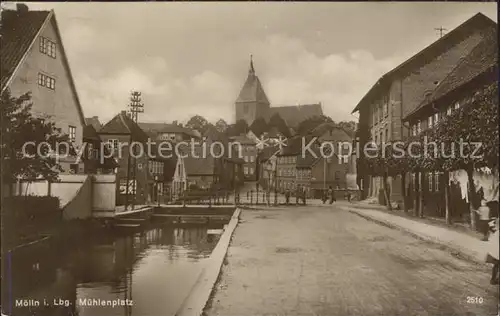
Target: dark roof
(243, 139)
(19, 30)
(252, 90)
(89, 132)
(166, 128)
(123, 124)
(481, 59)
(94, 121)
(295, 114)
(268, 152)
(478, 21)
(197, 164)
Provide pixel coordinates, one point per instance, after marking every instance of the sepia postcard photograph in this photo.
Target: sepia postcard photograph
(253, 158)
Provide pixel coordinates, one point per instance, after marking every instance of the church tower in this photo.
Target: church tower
(252, 101)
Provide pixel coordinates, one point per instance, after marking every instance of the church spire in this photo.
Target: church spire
(251, 71)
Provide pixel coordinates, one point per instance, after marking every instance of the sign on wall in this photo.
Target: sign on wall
(131, 186)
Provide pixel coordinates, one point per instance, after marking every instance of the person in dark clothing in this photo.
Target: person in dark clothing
(287, 196)
(324, 197)
(304, 195)
(331, 193)
(298, 194)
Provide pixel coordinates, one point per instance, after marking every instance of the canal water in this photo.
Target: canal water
(147, 273)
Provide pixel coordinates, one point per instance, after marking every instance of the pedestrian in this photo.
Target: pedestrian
(304, 195)
(484, 218)
(331, 193)
(492, 255)
(324, 196)
(297, 194)
(348, 196)
(287, 196)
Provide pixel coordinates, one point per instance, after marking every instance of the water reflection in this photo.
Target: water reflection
(141, 274)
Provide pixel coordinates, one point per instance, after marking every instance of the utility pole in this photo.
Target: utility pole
(441, 31)
(135, 107)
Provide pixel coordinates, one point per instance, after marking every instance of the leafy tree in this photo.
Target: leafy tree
(279, 123)
(259, 126)
(348, 126)
(309, 124)
(221, 126)
(18, 127)
(240, 127)
(198, 123)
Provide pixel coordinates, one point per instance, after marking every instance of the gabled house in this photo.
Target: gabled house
(94, 121)
(400, 91)
(120, 133)
(476, 71)
(248, 154)
(33, 60)
(95, 157)
(168, 132)
(253, 103)
(210, 164)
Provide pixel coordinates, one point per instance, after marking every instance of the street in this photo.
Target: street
(322, 260)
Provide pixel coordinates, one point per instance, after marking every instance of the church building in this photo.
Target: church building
(253, 103)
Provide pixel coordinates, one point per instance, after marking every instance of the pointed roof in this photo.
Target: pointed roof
(479, 61)
(122, 124)
(94, 121)
(476, 22)
(19, 31)
(252, 90)
(295, 114)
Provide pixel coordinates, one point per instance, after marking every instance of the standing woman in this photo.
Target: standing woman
(492, 256)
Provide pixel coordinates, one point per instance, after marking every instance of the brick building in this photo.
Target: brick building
(400, 91)
(120, 133)
(33, 60)
(474, 72)
(252, 103)
(248, 154)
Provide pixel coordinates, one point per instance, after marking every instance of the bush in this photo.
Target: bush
(20, 208)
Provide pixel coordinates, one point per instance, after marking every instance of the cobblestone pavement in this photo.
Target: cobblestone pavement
(326, 261)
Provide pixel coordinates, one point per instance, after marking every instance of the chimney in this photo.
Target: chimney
(22, 8)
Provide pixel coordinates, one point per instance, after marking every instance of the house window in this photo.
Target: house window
(413, 178)
(449, 110)
(386, 134)
(337, 175)
(457, 105)
(430, 176)
(419, 127)
(386, 107)
(429, 122)
(47, 47)
(251, 158)
(436, 118)
(251, 170)
(113, 143)
(414, 130)
(436, 182)
(245, 170)
(72, 134)
(46, 81)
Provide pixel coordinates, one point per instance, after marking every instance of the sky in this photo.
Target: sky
(193, 58)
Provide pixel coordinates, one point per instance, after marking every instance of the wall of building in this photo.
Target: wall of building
(328, 172)
(60, 104)
(81, 196)
(142, 171)
(246, 111)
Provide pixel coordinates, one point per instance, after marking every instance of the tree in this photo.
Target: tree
(198, 123)
(259, 126)
(240, 127)
(279, 123)
(221, 126)
(309, 124)
(18, 128)
(348, 126)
